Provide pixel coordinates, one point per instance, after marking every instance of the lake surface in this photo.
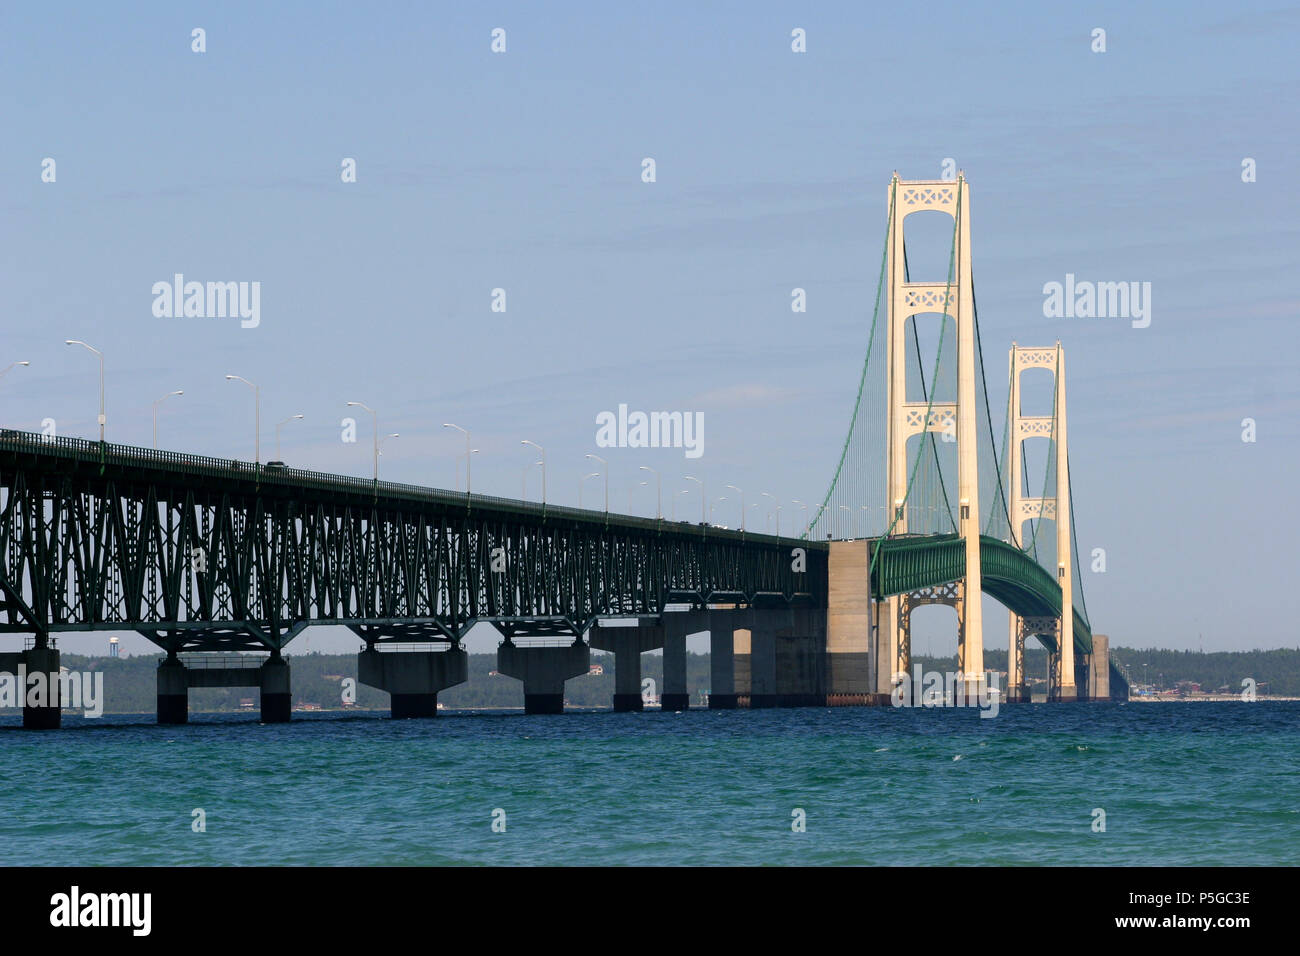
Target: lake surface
(1191, 783)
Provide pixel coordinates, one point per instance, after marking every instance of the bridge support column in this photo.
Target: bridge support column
(722, 660)
(277, 700)
(851, 661)
(801, 660)
(1092, 670)
(41, 695)
(742, 663)
(628, 644)
(413, 678)
(676, 625)
(173, 691)
(762, 657)
(543, 670)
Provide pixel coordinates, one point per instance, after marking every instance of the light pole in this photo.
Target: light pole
(291, 418)
(468, 453)
(804, 508)
(605, 469)
(102, 417)
(11, 365)
(684, 491)
(523, 481)
(850, 511)
(257, 416)
(712, 503)
(765, 494)
(866, 520)
(594, 474)
(379, 451)
(155, 414)
(742, 505)
(639, 484)
(703, 497)
(374, 419)
(659, 491)
(471, 451)
(543, 451)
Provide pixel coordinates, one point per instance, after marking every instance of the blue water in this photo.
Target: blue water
(1193, 783)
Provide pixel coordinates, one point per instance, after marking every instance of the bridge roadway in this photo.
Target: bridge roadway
(205, 554)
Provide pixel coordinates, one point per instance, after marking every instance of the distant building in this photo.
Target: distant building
(596, 670)
(113, 649)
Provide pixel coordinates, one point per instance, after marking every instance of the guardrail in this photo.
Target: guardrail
(106, 453)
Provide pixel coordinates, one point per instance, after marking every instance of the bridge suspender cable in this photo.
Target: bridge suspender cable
(871, 338)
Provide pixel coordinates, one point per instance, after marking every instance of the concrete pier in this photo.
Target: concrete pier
(413, 678)
(1092, 671)
(543, 669)
(46, 713)
(856, 672)
(722, 660)
(627, 644)
(173, 691)
(674, 695)
(271, 678)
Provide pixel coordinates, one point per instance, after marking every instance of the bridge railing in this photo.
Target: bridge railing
(106, 453)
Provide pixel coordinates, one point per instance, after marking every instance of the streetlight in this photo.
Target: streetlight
(684, 491)
(472, 451)
(468, 453)
(102, 417)
(374, 418)
(702, 495)
(291, 418)
(11, 365)
(379, 450)
(712, 503)
(639, 484)
(742, 506)
(594, 474)
(543, 451)
(764, 494)
(659, 491)
(850, 511)
(804, 508)
(523, 481)
(605, 469)
(155, 414)
(257, 416)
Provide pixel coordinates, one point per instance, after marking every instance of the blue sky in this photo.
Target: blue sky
(522, 171)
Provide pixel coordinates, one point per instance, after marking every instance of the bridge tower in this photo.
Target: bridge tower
(954, 298)
(1023, 508)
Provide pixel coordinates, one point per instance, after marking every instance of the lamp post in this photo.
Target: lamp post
(543, 451)
(379, 451)
(605, 470)
(684, 491)
(639, 484)
(374, 419)
(471, 451)
(594, 474)
(659, 491)
(742, 505)
(11, 365)
(764, 494)
(278, 425)
(703, 497)
(257, 416)
(804, 508)
(155, 414)
(523, 481)
(468, 453)
(850, 511)
(712, 503)
(102, 417)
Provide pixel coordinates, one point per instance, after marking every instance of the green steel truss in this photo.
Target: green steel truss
(201, 553)
(1015, 578)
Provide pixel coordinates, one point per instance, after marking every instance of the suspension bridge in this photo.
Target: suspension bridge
(223, 563)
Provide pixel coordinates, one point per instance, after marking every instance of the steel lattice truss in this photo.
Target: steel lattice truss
(207, 553)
